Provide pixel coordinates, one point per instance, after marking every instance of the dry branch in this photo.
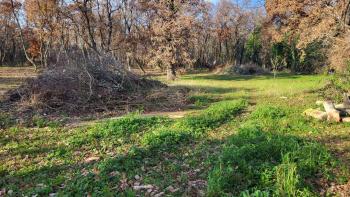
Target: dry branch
(87, 84)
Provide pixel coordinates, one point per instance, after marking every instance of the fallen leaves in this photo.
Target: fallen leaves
(91, 159)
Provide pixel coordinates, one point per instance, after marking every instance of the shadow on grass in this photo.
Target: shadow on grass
(216, 90)
(98, 178)
(241, 77)
(80, 177)
(340, 145)
(64, 172)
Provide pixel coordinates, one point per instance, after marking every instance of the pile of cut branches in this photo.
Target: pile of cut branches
(78, 84)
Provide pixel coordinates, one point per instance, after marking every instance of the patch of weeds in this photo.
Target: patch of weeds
(131, 124)
(124, 163)
(166, 138)
(6, 121)
(212, 117)
(118, 128)
(3, 170)
(281, 119)
(39, 122)
(90, 184)
(190, 127)
(268, 162)
(271, 112)
(201, 100)
(256, 193)
(14, 130)
(54, 124)
(337, 85)
(97, 179)
(59, 153)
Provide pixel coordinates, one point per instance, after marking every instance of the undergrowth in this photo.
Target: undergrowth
(338, 85)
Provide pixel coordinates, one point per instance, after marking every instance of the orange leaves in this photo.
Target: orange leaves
(34, 48)
(40, 11)
(6, 6)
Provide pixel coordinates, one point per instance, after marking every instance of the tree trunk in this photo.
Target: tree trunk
(171, 73)
(22, 36)
(347, 14)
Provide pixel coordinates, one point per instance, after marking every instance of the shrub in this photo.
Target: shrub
(253, 47)
(286, 52)
(338, 85)
(314, 57)
(247, 69)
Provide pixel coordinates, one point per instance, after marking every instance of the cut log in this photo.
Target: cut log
(344, 110)
(347, 119)
(317, 114)
(332, 113)
(340, 107)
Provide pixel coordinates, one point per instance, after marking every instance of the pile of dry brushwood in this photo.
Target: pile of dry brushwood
(79, 83)
(332, 112)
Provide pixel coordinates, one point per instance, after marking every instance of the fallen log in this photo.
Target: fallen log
(344, 110)
(317, 114)
(347, 119)
(332, 113)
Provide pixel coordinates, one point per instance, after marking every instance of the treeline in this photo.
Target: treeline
(139, 33)
(167, 34)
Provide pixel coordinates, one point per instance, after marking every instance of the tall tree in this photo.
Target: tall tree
(172, 32)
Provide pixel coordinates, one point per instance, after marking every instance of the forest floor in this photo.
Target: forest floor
(245, 137)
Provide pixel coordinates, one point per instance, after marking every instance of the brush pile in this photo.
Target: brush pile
(79, 84)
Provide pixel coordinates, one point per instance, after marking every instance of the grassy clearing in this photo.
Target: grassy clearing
(68, 159)
(246, 138)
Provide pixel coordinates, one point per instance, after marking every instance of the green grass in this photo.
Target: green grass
(193, 126)
(246, 138)
(275, 162)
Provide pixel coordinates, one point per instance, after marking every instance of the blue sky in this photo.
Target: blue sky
(254, 3)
